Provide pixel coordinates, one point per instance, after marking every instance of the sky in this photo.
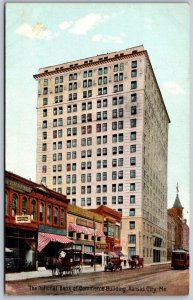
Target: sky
(44, 34)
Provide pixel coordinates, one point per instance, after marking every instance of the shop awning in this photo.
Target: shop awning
(82, 229)
(45, 238)
(92, 254)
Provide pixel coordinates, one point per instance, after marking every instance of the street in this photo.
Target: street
(152, 281)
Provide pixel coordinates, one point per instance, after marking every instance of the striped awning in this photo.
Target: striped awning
(45, 238)
(82, 229)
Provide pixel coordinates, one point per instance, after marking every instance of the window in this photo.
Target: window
(82, 201)
(104, 139)
(115, 68)
(44, 158)
(98, 201)
(133, 123)
(120, 162)
(89, 152)
(121, 137)
(132, 174)
(44, 135)
(24, 206)
(114, 150)
(98, 127)
(104, 115)
(83, 189)
(133, 148)
(104, 102)
(114, 138)
(114, 188)
(104, 200)
(99, 152)
(133, 110)
(116, 77)
(133, 84)
(89, 165)
(45, 82)
(120, 199)
(132, 224)
(114, 100)
(114, 113)
(88, 189)
(132, 199)
(132, 161)
(74, 191)
(104, 151)
(132, 239)
(132, 212)
(54, 180)
(120, 175)
(89, 177)
(120, 187)
(33, 210)
(62, 217)
(98, 164)
(133, 73)
(113, 199)
(114, 163)
(100, 71)
(55, 215)
(132, 186)
(120, 112)
(59, 179)
(88, 201)
(114, 175)
(45, 91)
(89, 141)
(45, 101)
(98, 177)
(98, 103)
(134, 64)
(41, 213)
(49, 214)
(44, 169)
(133, 136)
(120, 149)
(133, 97)
(104, 176)
(104, 163)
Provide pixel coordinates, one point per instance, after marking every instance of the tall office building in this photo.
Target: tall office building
(103, 139)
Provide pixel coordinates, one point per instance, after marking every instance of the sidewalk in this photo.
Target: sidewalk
(42, 272)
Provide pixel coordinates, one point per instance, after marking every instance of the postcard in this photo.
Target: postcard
(97, 149)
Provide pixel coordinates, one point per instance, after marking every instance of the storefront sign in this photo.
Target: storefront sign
(17, 185)
(102, 246)
(23, 219)
(85, 223)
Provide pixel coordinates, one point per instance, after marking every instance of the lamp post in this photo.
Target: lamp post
(94, 244)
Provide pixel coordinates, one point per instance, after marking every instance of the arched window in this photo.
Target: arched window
(62, 217)
(33, 210)
(41, 212)
(55, 215)
(6, 204)
(49, 214)
(14, 205)
(24, 206)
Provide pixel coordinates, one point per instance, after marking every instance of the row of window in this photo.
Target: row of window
(89, 73)
(87, 93)
(39, 211)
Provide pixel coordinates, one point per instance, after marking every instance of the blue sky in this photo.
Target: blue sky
(44, 34)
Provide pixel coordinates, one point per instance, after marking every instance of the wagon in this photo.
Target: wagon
(66, 262)
(114, 264)
(136, 261)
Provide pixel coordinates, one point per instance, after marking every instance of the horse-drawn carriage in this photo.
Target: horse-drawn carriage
(136, 262)
(67, 262)
(114, 264)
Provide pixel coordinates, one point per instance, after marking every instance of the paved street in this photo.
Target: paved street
(152, 280)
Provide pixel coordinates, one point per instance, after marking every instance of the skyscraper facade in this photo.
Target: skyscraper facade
(102, 138)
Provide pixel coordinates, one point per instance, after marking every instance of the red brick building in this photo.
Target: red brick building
(112, 227)
(176, 212)
(35, 222)
(185, 243)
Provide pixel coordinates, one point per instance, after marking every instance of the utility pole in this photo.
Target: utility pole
(94, 244)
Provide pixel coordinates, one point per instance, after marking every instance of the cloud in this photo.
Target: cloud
(64, 25)
(84, 24)
(148, 23)
(174, 88)
(107, 38)
(37, 31)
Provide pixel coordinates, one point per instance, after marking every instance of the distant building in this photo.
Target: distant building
(103, 140)
(185, 243)
(176, 212)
